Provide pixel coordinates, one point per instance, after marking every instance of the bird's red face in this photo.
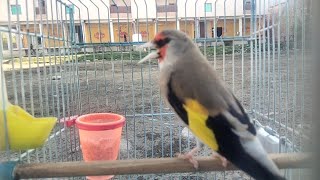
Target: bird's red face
(161, 43)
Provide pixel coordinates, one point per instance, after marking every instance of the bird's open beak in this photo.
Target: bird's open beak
(152, 55)
(149, 44)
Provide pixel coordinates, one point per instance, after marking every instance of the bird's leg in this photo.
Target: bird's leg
(223, 160)
(190, 155)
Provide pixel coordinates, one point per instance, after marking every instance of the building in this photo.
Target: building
(51, 24)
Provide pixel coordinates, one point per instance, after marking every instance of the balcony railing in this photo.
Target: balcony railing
(167, 8)
(121, 9)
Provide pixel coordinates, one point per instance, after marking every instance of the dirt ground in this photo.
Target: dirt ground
(151, 130)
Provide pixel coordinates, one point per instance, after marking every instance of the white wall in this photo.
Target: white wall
(223, 7)
(140, 7)
(196, 8)
(55, 12)
(92, 9)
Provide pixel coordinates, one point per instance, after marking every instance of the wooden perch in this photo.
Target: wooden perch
(144, 166)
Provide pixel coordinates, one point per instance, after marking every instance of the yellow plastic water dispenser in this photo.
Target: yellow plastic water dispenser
(19, 129)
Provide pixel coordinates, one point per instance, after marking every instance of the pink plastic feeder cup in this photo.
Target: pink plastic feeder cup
(100, 135)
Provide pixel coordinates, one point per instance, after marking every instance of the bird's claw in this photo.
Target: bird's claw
(190, 157)
(223, 160)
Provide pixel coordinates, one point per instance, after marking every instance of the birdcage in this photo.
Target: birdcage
(67, 58)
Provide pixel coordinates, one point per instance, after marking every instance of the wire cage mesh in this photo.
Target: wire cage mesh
(64, 58)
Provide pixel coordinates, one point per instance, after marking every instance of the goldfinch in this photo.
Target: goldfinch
(210, 110)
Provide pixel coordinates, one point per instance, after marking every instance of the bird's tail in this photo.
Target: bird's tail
(256, 162)
(254, 158)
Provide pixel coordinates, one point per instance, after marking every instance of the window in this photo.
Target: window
(15, 9)
(5, 44)
(42, 3)
(219, 31)
(14, 41)
(247, 5)
(42, 8)
(40, 11)
(208, 7)
(79, 37)
(202, 29)
(39, 40)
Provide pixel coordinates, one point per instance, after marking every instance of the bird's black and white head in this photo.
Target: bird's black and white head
(170, 44)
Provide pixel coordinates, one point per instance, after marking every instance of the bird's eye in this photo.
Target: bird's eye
(162, 42)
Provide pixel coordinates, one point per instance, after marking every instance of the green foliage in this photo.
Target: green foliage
(210, 51)
(135, 55)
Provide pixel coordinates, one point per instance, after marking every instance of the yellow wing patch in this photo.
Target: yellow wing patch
(197, 117)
